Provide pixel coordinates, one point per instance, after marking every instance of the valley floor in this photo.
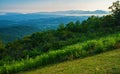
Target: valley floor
(104, 63)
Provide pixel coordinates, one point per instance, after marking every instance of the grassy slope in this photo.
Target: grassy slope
(99, 63)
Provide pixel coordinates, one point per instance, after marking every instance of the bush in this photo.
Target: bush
(79, 50)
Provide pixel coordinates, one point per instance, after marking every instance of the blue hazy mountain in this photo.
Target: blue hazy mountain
(17, 25)
(76, 12)
(20, 16)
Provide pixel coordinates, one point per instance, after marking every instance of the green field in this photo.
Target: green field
(100, 64)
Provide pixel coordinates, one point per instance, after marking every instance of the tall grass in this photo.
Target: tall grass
(78, 50)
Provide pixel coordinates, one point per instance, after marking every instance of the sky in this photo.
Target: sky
(28, 6)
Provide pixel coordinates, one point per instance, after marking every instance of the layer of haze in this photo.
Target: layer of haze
(28, 6)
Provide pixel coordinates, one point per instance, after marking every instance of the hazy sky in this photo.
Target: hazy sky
(52, 5)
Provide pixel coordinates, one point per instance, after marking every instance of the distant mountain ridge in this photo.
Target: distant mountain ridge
(59, 12)
(77, 12)
(15, 16)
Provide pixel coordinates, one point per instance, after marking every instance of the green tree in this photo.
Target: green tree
(70, 26)
(61, 27)
(92, 24)
(2, 49)
(77, 22)
(108, 21)
(77, 26)
(115, 9)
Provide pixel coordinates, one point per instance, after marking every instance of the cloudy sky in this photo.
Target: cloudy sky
(26, 6)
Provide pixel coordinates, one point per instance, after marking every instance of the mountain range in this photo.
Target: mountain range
(76, 12)
(27, 16)
(16, 25)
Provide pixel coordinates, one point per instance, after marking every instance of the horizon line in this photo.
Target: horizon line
(49, 11)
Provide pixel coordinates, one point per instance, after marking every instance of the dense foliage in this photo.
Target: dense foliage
(78, 50)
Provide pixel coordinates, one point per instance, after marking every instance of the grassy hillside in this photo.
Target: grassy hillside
(79, 50)
(102, 63)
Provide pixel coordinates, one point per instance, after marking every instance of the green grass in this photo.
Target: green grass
(99, 64)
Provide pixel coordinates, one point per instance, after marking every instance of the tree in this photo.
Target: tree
(77, 23)
(2, 49)
(61, 27)
(115, 9)
(70, 26)
(77, 26)
(91, 24)
(108, 21)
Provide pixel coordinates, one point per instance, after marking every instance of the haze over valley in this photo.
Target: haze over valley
(16, 25)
